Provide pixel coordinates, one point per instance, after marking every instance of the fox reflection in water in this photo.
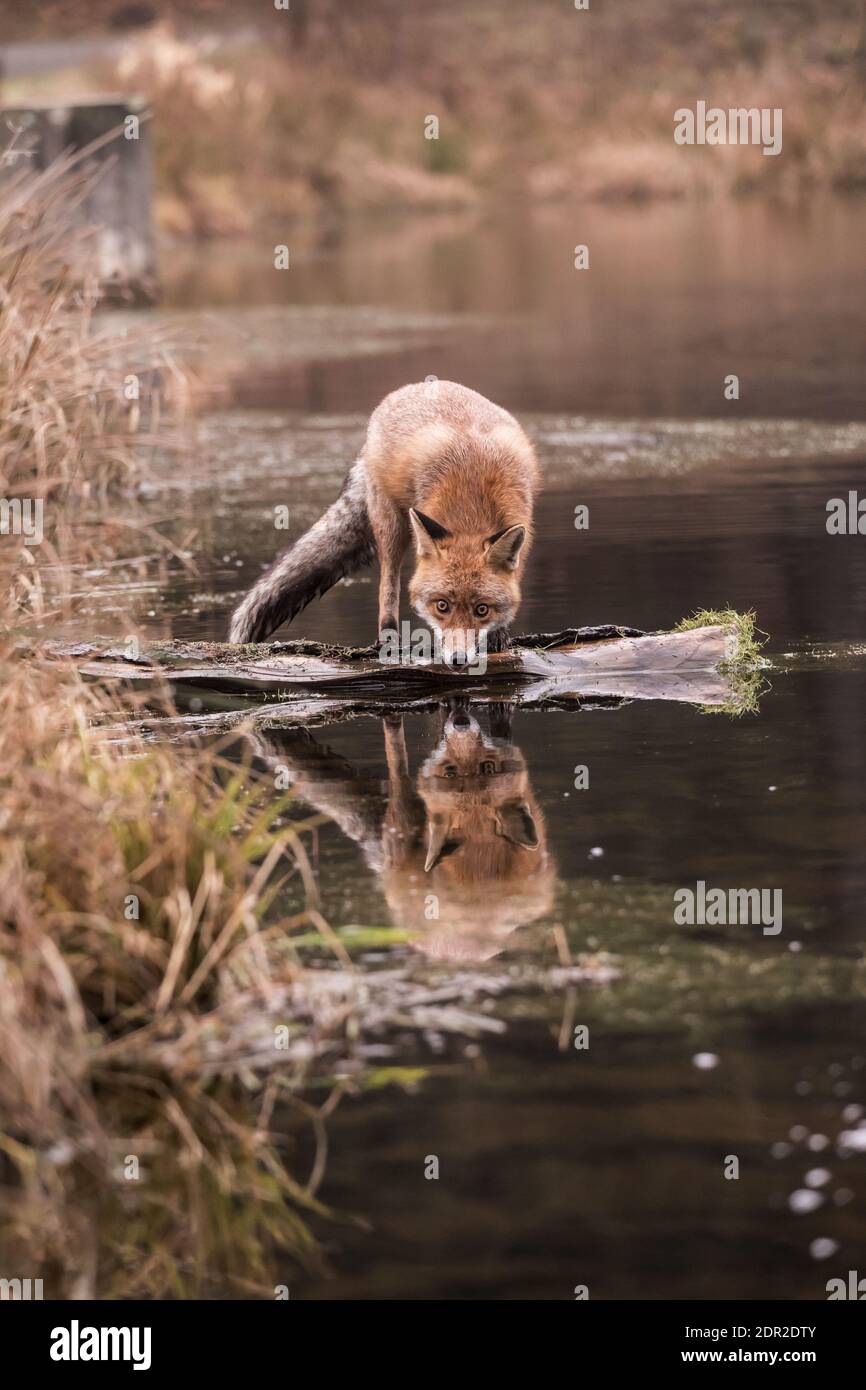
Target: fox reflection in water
(460, 850)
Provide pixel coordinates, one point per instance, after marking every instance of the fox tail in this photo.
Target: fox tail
(340, 543)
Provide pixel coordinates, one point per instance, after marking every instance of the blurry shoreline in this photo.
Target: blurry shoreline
(314, 114)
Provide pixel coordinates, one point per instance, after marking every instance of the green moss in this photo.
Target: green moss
(748, 639)
(745, 663)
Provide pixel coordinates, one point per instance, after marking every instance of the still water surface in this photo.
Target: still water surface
(605, 1166)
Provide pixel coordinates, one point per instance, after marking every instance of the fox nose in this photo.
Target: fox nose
(461, 722)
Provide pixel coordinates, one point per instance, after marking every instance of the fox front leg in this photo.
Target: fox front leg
(499, 641)
(391, 532)
(403, 821)
(501, 714)
(396, 754)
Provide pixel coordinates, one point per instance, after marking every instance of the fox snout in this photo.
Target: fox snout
(462, 646)
(461, 722)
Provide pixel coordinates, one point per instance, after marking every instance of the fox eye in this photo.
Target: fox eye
(442, 605)
(481, 610)
(487, 769)
(450, 770)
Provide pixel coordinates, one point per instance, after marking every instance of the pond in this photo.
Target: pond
(585, 1139)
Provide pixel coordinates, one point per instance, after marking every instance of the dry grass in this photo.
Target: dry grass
(71, 431)
(130, 883)
(132, 889)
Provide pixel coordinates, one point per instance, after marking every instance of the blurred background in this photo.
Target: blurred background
(308, 127)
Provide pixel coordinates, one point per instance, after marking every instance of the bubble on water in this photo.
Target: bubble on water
(803, 1201)
(817, 1143)
(853, 1139)
(842, 1088)
(835, 1069)
(781, 1149)
(803, 1088)
(817, 1177)
(705, 1061)
(798, 1133)
(852, 1113)
(795, 946)
(823, 1248)
(842, 1196)
(596, 852)
(772, 789)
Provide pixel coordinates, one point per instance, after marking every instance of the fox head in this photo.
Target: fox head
(477, 797)
(464, 586)
(483, 853)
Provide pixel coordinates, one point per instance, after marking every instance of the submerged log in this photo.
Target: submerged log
(696, 664)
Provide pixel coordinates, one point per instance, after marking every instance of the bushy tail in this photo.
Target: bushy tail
(340, 543)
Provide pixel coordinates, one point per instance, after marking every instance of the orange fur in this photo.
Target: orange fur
(483, 852)
(439, 452)
(446, 467)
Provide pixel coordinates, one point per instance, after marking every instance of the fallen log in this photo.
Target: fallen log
(709, 660)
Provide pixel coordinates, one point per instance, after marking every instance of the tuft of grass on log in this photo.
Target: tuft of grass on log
(746, 638)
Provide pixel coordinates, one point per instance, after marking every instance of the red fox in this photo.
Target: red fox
(483, 855)
(460, 850)
(443, 466)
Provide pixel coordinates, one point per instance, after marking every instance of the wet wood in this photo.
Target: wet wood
(555, 669)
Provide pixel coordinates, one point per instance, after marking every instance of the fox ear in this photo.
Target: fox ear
(514, 823)
(504, 547)
(439, 844)
(427, 532)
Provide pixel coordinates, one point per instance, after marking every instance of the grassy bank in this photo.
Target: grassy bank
(132, 887)
(135, 885)
(81, 407)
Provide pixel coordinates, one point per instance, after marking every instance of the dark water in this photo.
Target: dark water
(602, 1167)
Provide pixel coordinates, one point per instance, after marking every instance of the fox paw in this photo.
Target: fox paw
(499, 641)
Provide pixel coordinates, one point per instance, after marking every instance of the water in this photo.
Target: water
(605, 1166)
